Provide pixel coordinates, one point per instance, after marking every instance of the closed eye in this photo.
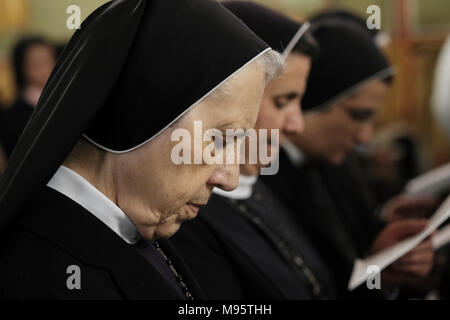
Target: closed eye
(361, 115)
(282, 100)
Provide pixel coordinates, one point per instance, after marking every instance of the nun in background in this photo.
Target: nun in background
(33, 59)
(245, 244)
(348, 82)
(440, 103)
(91, 185)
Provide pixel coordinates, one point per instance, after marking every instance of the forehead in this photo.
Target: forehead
(39, 49)
(226, 113)
(293, 77)
(369, 97)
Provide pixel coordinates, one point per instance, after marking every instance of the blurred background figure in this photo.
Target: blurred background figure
(391, 159)
(33, 59)
(2, 153)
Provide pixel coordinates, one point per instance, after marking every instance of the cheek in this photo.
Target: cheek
(270, 119)
(46, 71)
(189, 180)
(180, 183)
(153, 180)
(340, 131)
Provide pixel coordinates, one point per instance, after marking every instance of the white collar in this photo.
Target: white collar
(242, 192)
(75, 187)
(294, 154)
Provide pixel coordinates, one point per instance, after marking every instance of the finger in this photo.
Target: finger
(407, 201)
(416, 257)
(423, 202)
(426, 245)
(420, 270)
(423, 252)
(405, 206)
(408, 227)
(394, 278)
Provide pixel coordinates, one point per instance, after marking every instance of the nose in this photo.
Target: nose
(364, 135)
(226, 177)
(293, 122)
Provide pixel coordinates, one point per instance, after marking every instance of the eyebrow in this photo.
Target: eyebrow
(359, 109)
(232, 126)
(361, 114)
(240, 134)
(290, 96)
(229, 125)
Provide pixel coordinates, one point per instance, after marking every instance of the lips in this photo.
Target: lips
(194, 208)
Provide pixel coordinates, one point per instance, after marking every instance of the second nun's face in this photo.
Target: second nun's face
(281, 107)
(158, 194)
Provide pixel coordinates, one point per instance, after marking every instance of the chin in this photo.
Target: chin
(166, 230)
(160, 232)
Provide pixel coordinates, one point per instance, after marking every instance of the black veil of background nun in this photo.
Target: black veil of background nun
(343, 15)
(133, 68)
(330, 202)
(349, 58)
(274, 28)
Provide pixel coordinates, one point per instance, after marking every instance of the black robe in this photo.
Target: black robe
(53, 232)
(334, 206)
(242, 249)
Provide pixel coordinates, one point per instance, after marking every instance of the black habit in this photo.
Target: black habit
(134, 68)
(335, 207)
(54, 233)
(250, 249)
(334, 204)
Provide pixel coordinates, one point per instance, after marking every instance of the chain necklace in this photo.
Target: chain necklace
(298, 261)
(175, 273)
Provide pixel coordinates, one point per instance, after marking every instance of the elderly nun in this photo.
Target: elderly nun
(91, 186)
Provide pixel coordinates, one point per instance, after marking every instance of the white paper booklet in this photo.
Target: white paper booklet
(431, 182)
(442, 237)
(385, 257)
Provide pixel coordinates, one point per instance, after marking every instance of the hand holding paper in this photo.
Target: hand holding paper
(387, 256)
(412, 270)
(407, 206)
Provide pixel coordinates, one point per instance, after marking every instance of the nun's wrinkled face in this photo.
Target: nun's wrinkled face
(158, 194)
(332, 134)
